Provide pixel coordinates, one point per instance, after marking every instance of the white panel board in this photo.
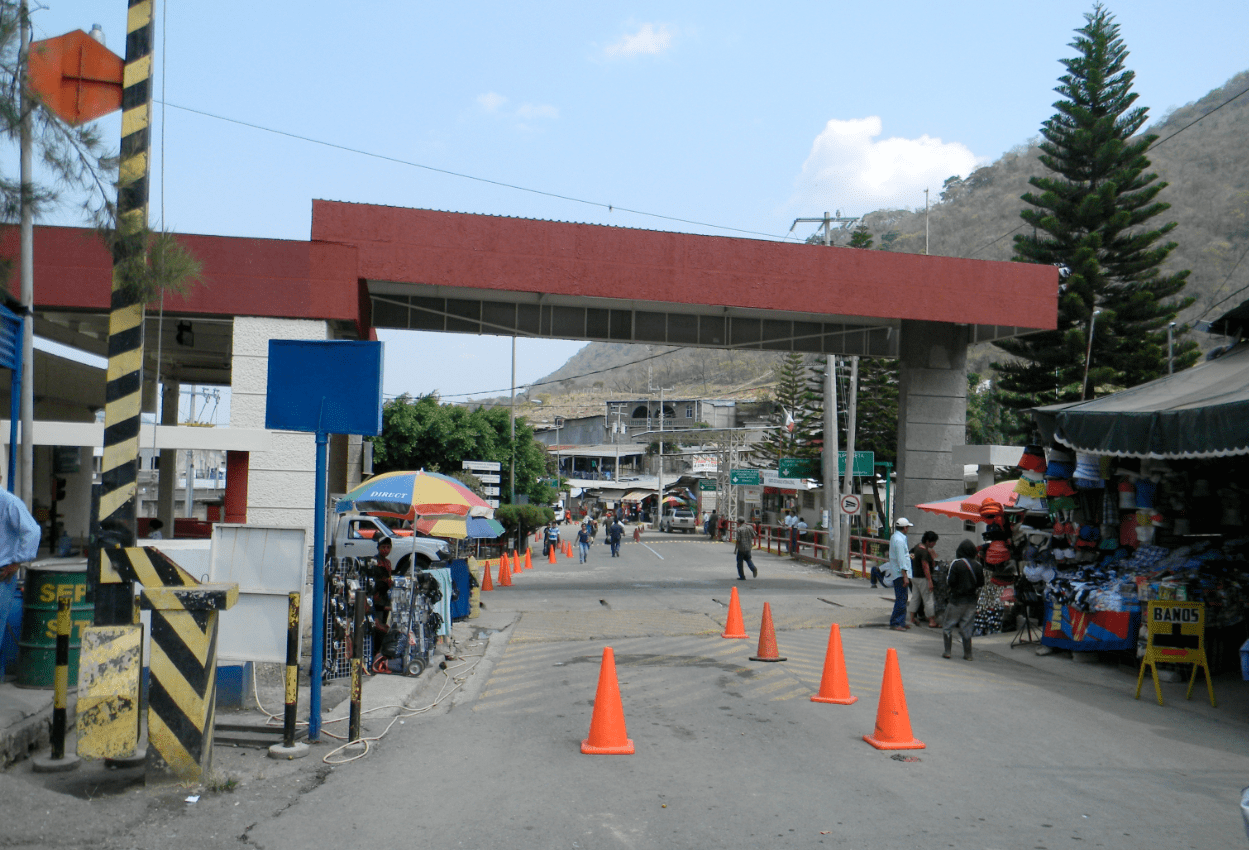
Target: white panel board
(267, 564)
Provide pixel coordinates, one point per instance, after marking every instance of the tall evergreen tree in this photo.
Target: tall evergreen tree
(876, 420)
(1089, 214)
(794, 419)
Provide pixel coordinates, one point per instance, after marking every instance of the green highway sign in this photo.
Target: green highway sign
(707, 485)
(802, 467)
(799, 467)
(746, 477)
(864, 463)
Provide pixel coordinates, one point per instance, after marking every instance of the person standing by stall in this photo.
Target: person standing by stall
(965, 580)
(899, 573)
(922, 563)
(19, 543)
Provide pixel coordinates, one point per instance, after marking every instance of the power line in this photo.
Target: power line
(1156, 144)
(463, 176)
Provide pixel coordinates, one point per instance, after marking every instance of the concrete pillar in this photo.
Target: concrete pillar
(237, 465)
(932, 418)
(167, 474)
(281, 482)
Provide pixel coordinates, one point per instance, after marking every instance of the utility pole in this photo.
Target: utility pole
(513, 472)
(831, 455)
(26, 463)
(190, 462)
(848, 478)
(925, 222)
(826, 223)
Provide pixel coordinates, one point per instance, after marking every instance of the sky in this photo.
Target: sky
(727, 118)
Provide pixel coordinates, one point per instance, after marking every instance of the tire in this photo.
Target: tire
(415, 667)
(422, 563)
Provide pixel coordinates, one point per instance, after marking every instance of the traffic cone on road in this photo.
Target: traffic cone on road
(511, 565)
(567, 549)
(834, 686)
(608, 735)
(505, 577)
(733, 627)
(486, 583)
(767, 638)
(550, 554)
(893, 723)
(528, 561)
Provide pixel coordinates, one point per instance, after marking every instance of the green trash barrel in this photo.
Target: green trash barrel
(36, 660)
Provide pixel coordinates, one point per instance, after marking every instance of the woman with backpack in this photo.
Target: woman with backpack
(964, 579)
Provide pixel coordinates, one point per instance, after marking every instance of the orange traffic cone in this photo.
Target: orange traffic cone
(834, 686)
(608, 736)
(893, 724)
(567, 549)
(528, 561)
(550, 554)
(486, 583)
(767, 638)
(505, 577)
(511, 564)
(734, 628)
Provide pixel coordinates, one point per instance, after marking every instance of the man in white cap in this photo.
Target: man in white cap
(899, 566)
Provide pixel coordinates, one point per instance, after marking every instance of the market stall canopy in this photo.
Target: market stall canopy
(637, 495)
(1201, 412)
(968, 507)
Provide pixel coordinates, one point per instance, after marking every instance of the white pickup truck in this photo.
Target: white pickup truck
(356, 536)
(678, 519)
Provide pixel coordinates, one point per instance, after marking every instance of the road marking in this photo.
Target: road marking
(653, 552)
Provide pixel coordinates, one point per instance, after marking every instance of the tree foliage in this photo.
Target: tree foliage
(796, 418)
(1089, 212)
(80, 164)
(424, 434)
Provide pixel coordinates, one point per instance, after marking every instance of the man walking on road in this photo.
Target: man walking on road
(614, 532)
(745, 544)
(899, 573)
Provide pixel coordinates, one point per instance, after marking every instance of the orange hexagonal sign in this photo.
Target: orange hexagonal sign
(77, 77)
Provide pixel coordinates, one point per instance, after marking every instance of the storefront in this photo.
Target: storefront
(1130, 498)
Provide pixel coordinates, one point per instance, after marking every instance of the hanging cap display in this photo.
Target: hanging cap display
(1033, 459)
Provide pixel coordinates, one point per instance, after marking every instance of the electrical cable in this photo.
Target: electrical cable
(1156, 144)
(463, 176)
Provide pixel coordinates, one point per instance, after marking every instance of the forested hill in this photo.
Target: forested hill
(976, 215)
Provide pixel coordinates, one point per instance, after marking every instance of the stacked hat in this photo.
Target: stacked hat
(1033, 460)
(1088, 472)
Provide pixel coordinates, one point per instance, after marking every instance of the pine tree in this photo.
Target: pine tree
(793, 402)
(1088, 215)
(876, 420)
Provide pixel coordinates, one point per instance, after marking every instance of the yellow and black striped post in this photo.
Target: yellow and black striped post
(124, 387)
(357, 668)
(292, 670)
(289, 748)
(60, 680)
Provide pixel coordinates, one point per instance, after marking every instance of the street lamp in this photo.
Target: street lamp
(1089, 356)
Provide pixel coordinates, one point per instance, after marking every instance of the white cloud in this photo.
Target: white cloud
(529, 111)
(648, 39)
(491, 101)
(850, 169)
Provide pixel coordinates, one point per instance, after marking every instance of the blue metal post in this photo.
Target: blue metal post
(318, 590)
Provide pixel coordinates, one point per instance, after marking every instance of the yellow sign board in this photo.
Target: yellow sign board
(1176, 635)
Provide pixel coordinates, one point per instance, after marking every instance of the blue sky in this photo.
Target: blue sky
(737, 116)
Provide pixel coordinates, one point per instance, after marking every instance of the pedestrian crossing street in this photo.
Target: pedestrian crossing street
(678, 670)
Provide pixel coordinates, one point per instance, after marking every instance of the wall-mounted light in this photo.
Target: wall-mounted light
(185, 335)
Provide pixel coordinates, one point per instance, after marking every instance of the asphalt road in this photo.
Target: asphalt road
(729, 752)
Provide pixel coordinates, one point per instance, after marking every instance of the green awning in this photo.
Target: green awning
(1201, 412)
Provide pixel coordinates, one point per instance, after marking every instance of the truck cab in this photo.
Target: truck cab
(356, 536)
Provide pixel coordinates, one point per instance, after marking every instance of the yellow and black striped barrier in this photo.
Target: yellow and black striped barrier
(292, 671)
(182, 693)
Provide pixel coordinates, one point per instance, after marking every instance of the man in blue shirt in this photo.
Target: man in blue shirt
(19, 542)
(899, 573)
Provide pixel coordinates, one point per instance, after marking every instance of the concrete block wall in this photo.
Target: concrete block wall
(932, 420)
(281, 482)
